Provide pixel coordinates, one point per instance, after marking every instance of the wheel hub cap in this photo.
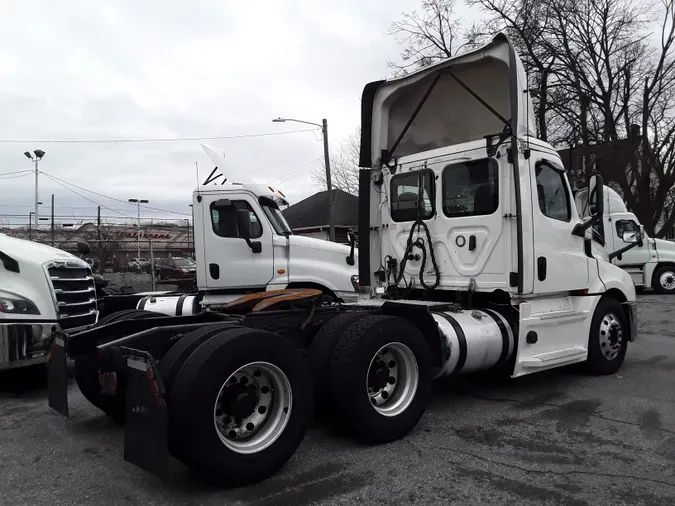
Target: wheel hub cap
(611, 336)
(392, 379)
(253, 407)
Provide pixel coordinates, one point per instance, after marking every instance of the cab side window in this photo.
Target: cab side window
(626, 226)
(405, 197)
(553, 193)
(224, 219)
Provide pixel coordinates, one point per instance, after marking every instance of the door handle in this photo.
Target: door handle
(214, 270)
(541, 268)
(472, 243)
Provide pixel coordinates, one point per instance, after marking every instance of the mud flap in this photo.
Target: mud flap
(145, 433)
(57, 376)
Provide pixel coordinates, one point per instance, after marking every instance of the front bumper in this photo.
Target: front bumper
(24, 344)
(631, 313)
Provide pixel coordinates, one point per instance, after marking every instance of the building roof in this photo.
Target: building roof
(313, 211)
(601, 156)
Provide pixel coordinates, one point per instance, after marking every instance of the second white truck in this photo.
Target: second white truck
(650, 262)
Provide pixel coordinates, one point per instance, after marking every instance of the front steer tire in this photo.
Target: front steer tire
(350, 387)
(193, 409)
(608, 338)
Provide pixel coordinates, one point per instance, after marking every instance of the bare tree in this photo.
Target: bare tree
(598, 85)
(344, 166)
(429, 35)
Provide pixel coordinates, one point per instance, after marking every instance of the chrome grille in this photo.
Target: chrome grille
(74, 294)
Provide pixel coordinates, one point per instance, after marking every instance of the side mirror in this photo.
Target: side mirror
(83, 247)
(596, 205)
(351, 237)
(631, 237)
(244, 226)
(596, 195)
(244, 223)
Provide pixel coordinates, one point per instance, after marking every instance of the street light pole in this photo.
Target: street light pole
(138, 203)
(326, 157)
(38, 156)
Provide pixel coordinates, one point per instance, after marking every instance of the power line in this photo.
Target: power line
(112, 198)
(15, 172)
(86, 198)
(289, 175)
(16, 176)
(137, 141)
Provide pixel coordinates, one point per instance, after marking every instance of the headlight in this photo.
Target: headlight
(12, 303)
(355, 283)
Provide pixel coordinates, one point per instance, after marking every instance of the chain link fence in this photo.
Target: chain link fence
(162, 260)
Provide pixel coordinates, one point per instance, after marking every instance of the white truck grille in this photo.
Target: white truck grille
(74, 294)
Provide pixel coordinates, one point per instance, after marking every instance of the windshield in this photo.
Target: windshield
(276, 217)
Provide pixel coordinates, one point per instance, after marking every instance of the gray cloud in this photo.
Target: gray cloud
(123, 69)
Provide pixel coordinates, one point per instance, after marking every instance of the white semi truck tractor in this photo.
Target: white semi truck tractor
(472, 257)
(41, 289)
(650, 262)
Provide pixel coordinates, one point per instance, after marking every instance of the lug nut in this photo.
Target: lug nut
(391, 380)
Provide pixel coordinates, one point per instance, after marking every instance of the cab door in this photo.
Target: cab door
(560, 262)
(638, 255)
(229, 261)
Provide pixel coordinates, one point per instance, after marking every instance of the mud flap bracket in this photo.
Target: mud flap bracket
(57, 375)
(146, 428)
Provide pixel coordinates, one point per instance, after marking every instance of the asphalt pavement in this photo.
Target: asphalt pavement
(558, 437)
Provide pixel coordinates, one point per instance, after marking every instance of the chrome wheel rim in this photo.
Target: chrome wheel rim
(392, 379)
(667, 280)
(611, 336)
(253, 407)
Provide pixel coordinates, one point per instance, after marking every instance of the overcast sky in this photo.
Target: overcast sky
(114, 69)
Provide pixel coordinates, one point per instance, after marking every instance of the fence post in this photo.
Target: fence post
(152, 264)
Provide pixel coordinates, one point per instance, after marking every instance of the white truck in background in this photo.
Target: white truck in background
(41, 289)
(243, 244)
(650, 262)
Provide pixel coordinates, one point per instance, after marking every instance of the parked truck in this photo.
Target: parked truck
(41, 289)
(472, 257)
(650, 262)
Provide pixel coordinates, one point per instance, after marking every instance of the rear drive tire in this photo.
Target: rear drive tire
(87, 368)
(663, 279)
(608, 339)
(380, 378)
(216, 424)
(321, 349)
(171, 363)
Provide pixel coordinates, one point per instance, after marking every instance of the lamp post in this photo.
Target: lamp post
(38, 156)
(138, 203)
(324, 131)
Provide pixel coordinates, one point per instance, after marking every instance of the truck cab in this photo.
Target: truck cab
(467, 206)
(41, 288)
(244, 244)
(650, 262)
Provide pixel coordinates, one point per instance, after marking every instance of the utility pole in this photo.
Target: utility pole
(52, 219)
(326, 157)
(98, 223)
(138, 203)
(30, 225)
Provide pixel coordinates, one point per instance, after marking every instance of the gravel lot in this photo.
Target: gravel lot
(558, 437)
